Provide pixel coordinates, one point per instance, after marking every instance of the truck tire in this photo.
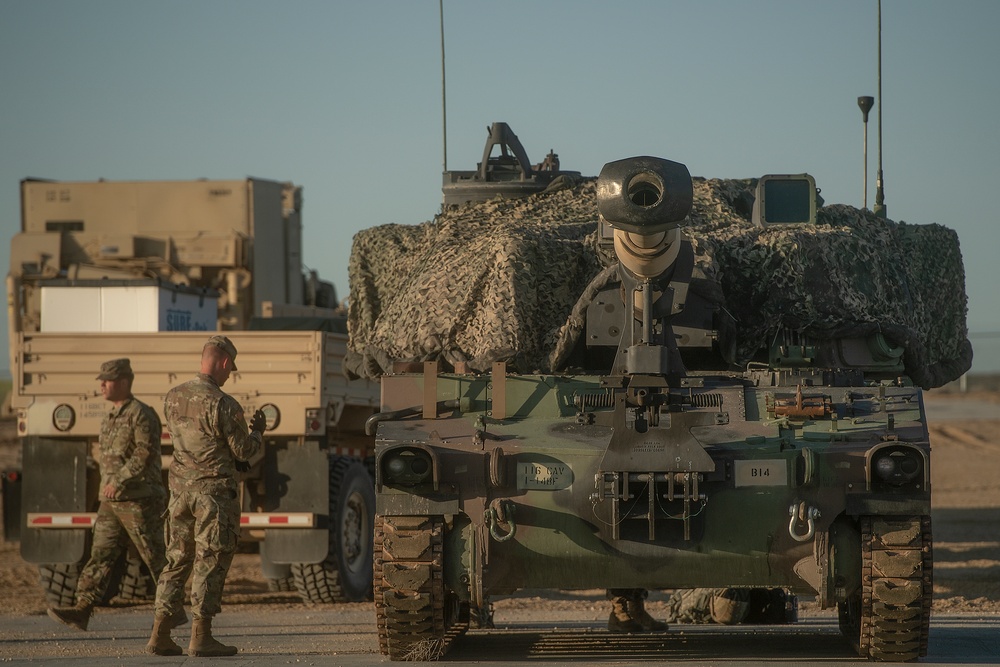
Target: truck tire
(58, 581)
(346, 573)
(130, 581)
(283, 585)
(136, 582)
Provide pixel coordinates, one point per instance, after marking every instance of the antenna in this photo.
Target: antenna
(865, 102)
(444, 104)
(879, 193)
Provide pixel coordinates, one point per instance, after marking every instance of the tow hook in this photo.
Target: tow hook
(802, 514)
(501, 512)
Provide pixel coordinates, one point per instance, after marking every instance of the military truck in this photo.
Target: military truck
(649, 440)
(149, 270)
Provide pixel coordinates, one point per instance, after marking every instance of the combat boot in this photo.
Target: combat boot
(160, 642)
(77, 617)
(638, 613)
(620, 620)
(203, 644)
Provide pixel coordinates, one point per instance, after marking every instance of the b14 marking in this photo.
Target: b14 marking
(761, 472)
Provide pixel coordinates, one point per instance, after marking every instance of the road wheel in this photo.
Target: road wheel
(346, 573)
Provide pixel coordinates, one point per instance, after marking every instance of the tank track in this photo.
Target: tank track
(411, 606)
(897, 588)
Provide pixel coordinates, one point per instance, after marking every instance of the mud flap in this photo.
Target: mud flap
(55, 480)
(298, 480)
(270, 568)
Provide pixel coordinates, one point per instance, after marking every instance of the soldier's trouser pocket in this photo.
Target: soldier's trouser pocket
(221, 524)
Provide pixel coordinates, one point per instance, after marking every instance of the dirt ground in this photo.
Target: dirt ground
(966, 515)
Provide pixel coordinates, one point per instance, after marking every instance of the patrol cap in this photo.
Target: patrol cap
(116, 368)
(226, 345)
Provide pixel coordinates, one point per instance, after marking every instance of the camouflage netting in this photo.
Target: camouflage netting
(511, 279)
(486, 282)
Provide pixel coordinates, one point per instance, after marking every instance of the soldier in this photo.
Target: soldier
(210, 438)
(131, 492)
(628, 612)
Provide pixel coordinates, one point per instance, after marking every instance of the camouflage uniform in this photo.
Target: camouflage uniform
(130, 460)
(209, 434)
(730, 606)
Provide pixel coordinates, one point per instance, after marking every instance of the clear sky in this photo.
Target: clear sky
(344, 99)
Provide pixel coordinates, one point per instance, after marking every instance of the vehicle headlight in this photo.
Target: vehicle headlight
(898, 466)
(406, 467)
(885, 467)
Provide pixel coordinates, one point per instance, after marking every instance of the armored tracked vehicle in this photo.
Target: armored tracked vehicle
(654, 446)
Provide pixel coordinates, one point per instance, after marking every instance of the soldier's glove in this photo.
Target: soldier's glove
(242, 466)
(258, 422)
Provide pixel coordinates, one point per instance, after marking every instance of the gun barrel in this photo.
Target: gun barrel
(644, 195)
(645, 199)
